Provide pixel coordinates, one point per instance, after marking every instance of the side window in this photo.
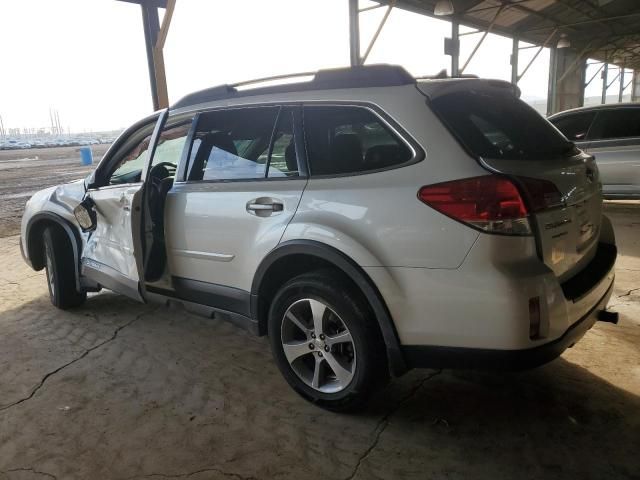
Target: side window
(129, 169)
(232, 144)
(575, 126)
(616, 123)
(170, 146)
(343, 140)
(283, 162)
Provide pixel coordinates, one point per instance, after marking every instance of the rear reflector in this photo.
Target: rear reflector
(534, 318)
(489, 203)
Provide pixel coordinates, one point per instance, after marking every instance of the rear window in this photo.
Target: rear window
(500, 126)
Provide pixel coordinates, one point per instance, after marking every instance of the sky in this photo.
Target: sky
(86, 58)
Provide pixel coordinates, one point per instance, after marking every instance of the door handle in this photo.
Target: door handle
(264, 207)
(275, 207)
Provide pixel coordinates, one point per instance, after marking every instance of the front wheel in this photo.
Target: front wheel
(60, 267)
(326, 342)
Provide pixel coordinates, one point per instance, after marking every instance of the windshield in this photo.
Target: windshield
(500, 126)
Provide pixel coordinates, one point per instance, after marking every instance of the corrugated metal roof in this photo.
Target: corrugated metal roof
(599, 29)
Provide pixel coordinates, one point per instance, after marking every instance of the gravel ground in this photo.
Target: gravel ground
(121, 390)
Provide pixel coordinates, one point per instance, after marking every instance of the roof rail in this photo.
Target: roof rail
(273, 78)
(381, 75)
(443, 74)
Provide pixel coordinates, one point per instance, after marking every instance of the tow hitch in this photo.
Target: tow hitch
(609, 317)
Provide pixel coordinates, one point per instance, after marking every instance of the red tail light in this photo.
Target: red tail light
(489, 203)
(542, 194)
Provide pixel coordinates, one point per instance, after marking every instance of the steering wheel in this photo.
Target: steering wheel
(160, 171)
(162, 166)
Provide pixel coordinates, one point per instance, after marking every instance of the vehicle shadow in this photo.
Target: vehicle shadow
(557, 421)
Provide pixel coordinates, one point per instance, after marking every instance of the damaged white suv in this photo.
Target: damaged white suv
(367, 221)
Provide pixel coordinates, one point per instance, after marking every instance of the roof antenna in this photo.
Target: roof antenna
(442, 74)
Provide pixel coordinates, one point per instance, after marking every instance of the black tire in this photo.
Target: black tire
(60, 268)
(368, 368)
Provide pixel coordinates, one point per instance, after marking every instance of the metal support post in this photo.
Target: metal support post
(552, 85)
(151, 25)
(455, 48)
(354, 33)
(635, 86)
(514, 60)
(605, 74)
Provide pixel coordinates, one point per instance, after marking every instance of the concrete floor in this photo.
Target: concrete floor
(121, 390)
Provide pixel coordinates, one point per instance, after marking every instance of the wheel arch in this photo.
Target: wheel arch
(35, 242)
(293, 257)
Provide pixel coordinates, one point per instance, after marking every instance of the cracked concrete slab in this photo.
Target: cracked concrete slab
(120, 390)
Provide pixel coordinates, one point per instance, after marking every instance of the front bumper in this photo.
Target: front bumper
(485, 359)
(22, 252)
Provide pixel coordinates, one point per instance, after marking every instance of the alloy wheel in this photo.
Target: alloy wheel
(318, 345)
(50, 278)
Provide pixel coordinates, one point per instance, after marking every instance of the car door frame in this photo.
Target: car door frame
(105, 274)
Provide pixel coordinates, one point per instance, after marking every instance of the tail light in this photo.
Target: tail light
(489, 203)
(541, 194)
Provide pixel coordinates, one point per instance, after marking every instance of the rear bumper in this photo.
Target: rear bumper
(476, 358)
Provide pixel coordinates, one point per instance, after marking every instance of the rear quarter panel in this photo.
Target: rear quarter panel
(377, 218)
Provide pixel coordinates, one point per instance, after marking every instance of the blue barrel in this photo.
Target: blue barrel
(86, 156)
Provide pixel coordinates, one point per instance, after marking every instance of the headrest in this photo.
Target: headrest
(381, 156)
(346, 154)
(220, 140)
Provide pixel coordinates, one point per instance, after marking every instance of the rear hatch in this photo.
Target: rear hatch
(560, 183)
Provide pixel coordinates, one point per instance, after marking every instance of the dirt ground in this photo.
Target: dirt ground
(24, 172)
(119, 390)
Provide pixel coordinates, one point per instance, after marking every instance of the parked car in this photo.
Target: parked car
(368, 222)
(611, 133)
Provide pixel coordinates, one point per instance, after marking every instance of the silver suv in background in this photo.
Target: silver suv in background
(611, 133)
(368, 222)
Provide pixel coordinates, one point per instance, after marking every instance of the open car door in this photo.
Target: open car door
(112, 211)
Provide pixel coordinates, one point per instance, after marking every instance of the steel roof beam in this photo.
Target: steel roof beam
(484, 35)
(584, 22)
(378, 30)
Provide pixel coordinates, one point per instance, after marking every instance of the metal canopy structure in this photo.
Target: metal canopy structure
(607, 31)
(575, 30)
(155, 36)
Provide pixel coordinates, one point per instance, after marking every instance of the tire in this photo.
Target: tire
(336, 362)
(60, 267)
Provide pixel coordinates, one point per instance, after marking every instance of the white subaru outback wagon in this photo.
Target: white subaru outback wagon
(368, 222)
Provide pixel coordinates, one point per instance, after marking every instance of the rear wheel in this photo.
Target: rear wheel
(325, 342)
(60, 267)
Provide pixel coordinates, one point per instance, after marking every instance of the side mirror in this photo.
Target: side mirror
(86, 216)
